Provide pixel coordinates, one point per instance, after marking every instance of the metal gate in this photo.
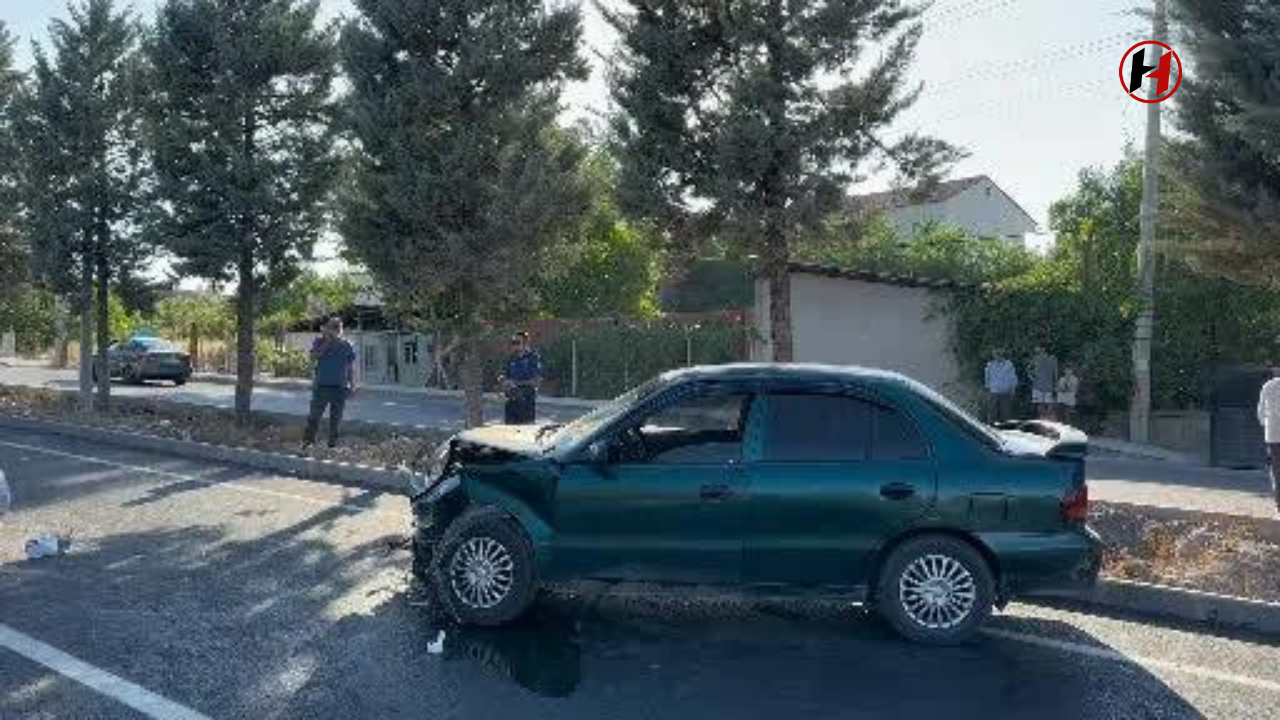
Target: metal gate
(1236, 437)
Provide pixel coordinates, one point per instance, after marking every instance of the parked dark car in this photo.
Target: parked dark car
(857, 484)
(140, 358)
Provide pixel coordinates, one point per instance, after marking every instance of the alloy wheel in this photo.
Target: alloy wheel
(937, 591)
(481, 573)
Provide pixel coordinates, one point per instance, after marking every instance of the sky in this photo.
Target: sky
(1028, 87)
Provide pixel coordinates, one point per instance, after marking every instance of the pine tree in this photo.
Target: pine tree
(82, 170)
(241, 130)
(1227, 107)
(752, 117)
(13, 250)
(463, 181)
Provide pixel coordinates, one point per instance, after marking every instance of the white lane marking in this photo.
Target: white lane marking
(114, 687)
(184, 477)
(1140, 660)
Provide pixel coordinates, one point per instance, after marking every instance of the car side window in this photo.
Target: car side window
(896, 437)
(818, 428)
(702, 429)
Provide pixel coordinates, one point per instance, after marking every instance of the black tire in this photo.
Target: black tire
(915, 625)
(179, 382)
(478, 525)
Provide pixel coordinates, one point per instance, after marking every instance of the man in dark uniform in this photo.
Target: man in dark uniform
(520, 381)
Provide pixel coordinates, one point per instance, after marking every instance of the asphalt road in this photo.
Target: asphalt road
(368, 405)
(197, 590)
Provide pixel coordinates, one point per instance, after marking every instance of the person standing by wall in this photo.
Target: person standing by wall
(1068, 395)
(1269, 416)
(520, 381)
(334, 382)
(1000, 379)
(1044, 381)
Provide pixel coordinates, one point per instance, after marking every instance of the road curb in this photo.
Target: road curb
(309, 468)
(1217, 611)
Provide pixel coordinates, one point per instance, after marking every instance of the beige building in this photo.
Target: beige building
(857, 318)
(974, 204)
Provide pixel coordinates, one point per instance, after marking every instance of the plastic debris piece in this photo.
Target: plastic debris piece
(436, 647)
(47, 546)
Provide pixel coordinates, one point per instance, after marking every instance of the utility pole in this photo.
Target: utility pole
(1140, 408)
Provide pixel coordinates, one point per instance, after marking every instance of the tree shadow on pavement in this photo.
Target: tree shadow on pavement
(216, 617)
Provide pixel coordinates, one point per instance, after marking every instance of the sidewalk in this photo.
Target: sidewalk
(301, 384)
(1124, 448)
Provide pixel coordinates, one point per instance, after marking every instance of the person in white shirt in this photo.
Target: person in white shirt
(1269, 416)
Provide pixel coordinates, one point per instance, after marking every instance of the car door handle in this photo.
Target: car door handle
(716, 492)
(897, 491)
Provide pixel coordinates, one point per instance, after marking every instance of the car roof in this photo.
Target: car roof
(795, 372)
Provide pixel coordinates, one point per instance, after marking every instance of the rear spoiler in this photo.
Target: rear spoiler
(1068, 443)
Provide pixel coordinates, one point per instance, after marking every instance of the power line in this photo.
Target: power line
(1018, 68)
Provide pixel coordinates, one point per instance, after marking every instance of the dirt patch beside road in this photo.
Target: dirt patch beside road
(1211, 553)
(361, 443)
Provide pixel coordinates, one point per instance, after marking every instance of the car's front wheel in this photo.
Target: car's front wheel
(484, 568)
(936, 590)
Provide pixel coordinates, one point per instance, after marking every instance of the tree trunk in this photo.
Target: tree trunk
(244, 339)
(60, 356)
(102, 312)
(779, 279)
(193, 346)
(86, 339)
(472, 371)
(777, 255)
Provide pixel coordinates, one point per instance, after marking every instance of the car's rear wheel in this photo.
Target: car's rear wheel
(484, 568)
(179, 381)
(936, 590)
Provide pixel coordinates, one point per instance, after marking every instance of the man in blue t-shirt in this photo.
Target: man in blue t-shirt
(334, 360)
(520, 381)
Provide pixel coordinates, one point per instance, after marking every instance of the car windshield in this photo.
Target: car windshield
(574, 433)
(151, 344)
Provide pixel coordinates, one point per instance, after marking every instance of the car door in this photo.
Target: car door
(667, 503)
(839, 473)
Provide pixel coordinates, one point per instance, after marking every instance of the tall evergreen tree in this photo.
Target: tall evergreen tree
(13, 249)
(240, 127)
(82, 166)
(463, 181)
(1227, 109)
(756, 114)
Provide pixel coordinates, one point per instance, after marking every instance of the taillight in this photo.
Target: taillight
(1075, 506)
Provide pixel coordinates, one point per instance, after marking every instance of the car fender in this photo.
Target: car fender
(540, 532)
(932, 528)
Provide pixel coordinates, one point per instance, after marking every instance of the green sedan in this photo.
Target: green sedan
(776, 479)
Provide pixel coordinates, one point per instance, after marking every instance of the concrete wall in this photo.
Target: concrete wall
(1186, 431)
(853, 322)
(983, 210)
